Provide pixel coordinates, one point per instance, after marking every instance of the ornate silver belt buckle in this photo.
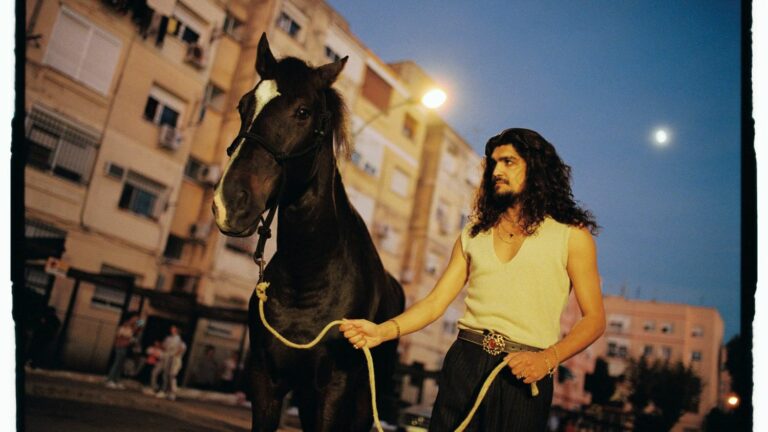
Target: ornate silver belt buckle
(493, 343)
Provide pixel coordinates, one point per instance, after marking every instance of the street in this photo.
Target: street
(45, 414)
(78, 402)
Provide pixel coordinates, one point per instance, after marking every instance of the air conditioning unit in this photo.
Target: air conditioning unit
(170, 137)
(196, 55)
(209, 175)
(199, 230)
(114, 170)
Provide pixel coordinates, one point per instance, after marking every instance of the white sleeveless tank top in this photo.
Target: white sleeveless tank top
(523, 298)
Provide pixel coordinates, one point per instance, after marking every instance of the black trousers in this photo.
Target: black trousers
(508, 405)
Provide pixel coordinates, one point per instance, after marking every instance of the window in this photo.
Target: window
(616, 326)
(648, 350)
(666, 352)
(697, 331)
(43, 240)
(233, 27)
(409, 126)
(215, 97)
(400, 182)
(185, 284)
(141, 195)
(162, 108)
(185, 25)
(667, 328)
(288, 25)
(618, 349)
(649, 326)
(108, 297)
(173, 247)
(83, 51)
(36, 279)
(369, 152)
(57, 146)
(618, 323)
(193, 169)
(376, 90)
(331, 55)
(696, 356)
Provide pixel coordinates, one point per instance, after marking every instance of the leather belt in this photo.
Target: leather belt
(494, 343)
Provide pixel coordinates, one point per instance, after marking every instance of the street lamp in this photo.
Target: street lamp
(432, 99)
(732, 401)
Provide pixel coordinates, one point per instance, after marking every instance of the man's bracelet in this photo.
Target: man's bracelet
(397, 326)
(550, 370)
(557, 357)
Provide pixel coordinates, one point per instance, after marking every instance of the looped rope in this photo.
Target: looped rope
(261, 293)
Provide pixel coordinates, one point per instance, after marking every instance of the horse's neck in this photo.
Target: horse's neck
(311, 223)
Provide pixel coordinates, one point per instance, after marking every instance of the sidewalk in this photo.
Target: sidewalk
(208, 409)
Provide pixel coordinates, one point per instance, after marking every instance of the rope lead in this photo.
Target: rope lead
(261, 293)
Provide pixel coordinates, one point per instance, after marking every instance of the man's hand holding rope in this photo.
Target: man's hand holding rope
(531, 366)
(363, 333)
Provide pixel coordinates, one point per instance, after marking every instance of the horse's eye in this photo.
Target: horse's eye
(302, 113)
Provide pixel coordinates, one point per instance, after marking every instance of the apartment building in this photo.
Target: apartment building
(656, 330)
(114, 94)
(130, 108)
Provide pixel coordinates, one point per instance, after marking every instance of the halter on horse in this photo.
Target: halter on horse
(326, 266)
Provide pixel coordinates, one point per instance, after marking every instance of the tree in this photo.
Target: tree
(661, 393)
(738, 363)
(599, 383)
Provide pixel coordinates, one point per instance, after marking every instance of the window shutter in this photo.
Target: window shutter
(67, 44)
(100, 61)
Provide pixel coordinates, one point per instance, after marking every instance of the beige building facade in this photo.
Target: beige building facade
(656, 330)
(112, 110)
(129, 114)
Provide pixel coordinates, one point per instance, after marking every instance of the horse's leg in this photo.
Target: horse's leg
(345, 404)
(267, 400)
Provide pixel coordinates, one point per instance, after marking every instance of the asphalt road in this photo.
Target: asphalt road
(43, 415)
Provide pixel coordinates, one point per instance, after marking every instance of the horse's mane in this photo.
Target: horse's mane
(337, 107)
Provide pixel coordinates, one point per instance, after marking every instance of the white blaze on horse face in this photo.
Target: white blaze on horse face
(265, 91)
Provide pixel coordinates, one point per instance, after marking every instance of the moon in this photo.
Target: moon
(661, 138)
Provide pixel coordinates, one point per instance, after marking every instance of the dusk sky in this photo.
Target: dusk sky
(597, 78)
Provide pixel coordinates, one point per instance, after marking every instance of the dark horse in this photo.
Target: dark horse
(326, 266)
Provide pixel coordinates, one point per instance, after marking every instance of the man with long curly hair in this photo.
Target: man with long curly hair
(526, 247)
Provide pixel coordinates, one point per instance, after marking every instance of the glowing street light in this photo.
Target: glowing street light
(732, 401)
(432, 99)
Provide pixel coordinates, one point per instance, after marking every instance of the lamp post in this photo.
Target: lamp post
(432, 99)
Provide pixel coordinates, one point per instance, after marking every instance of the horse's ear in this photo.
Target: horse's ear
(265, 61)
(328, 73)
